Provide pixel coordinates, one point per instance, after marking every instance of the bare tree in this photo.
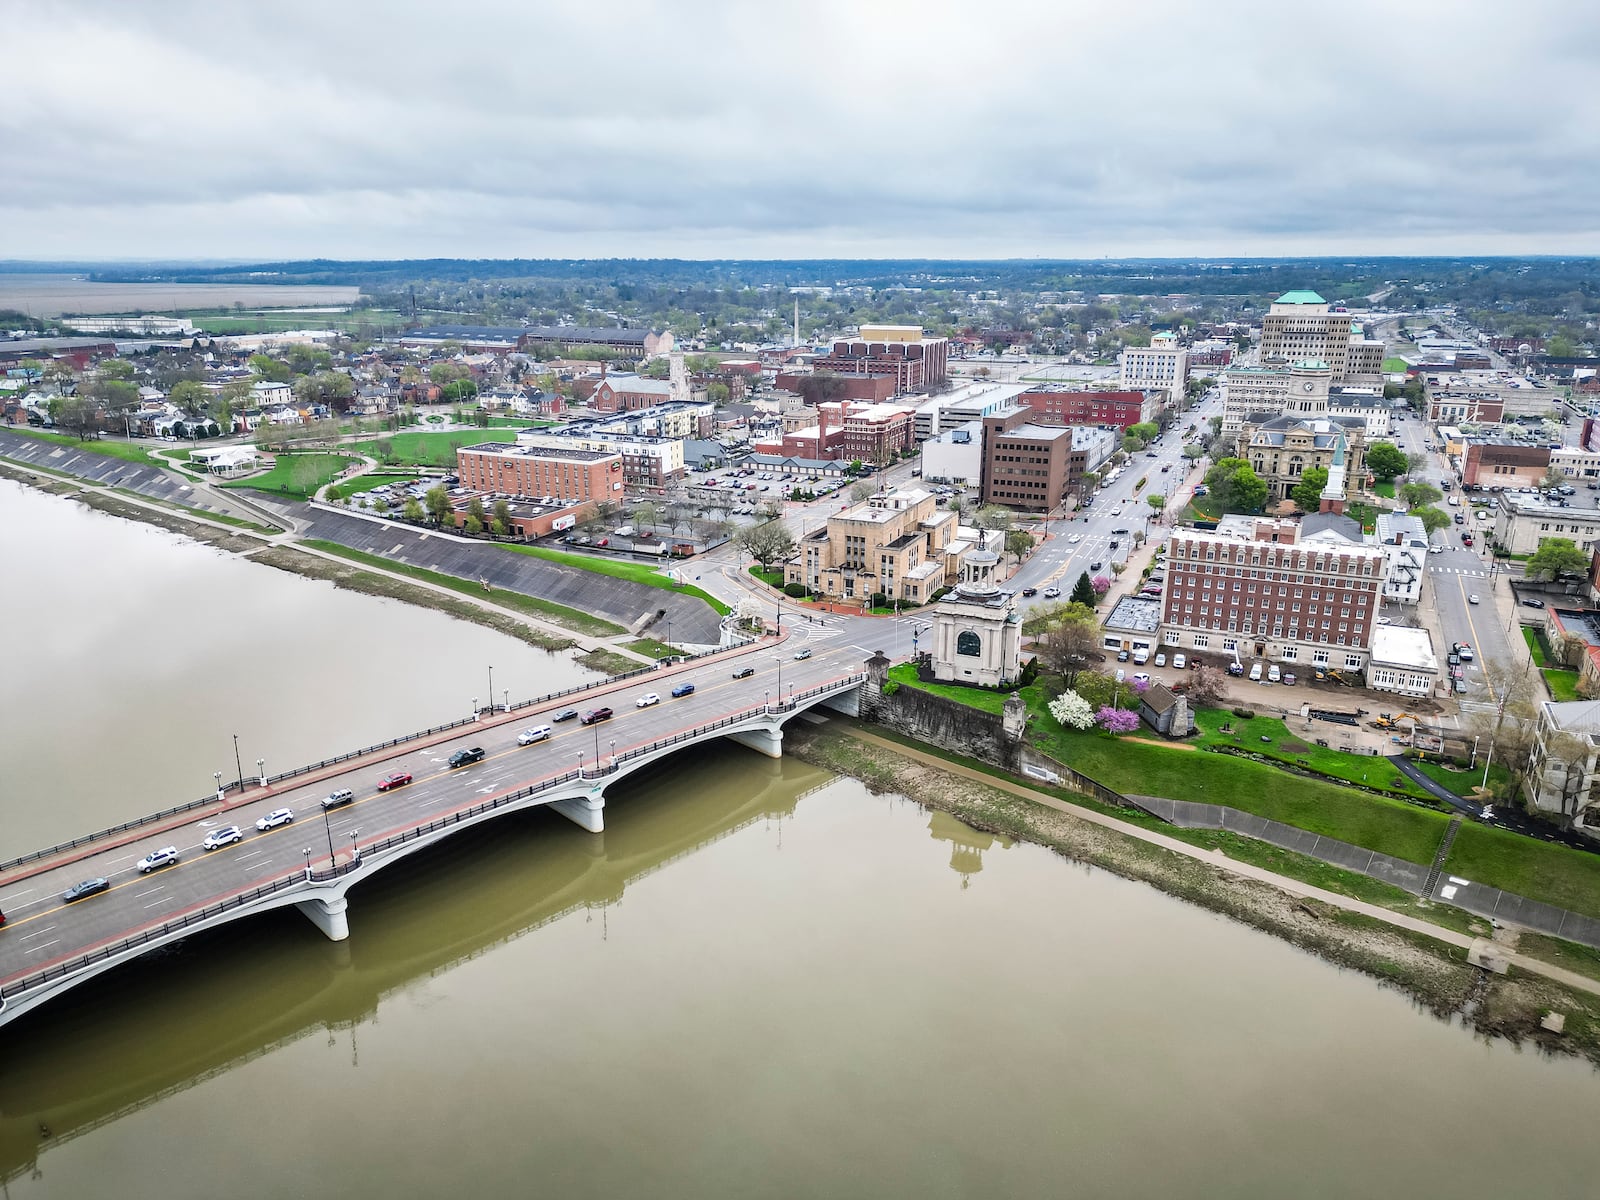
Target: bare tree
(1208, 686)
(767, 543)
(1068, 648)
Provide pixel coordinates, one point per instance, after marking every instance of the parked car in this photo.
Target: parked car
(218, 838)
(744, 672)
(157, 859)
(285, 816)
(566, 714)
(596, 715)
(393, 779)
(1274, 674)
(1141, 677)
(465, 758)
(87, 888)
(648, 700)
(538, 733)
(1464, 649)
(1459, 686)
(1161, 658)
(1255, 672)
(1288, 678)
(1122, 656)
(1179, 662)
(683, 689)
(1533, 602)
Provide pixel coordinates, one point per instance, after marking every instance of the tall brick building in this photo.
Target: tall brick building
(535, 471)
(1122, 408)
(898, 352)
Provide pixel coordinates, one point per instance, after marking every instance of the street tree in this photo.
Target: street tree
(1308, 492)
(860, 490)
(1156, 501)
(1386, 460)
(1433, 519)
(413, 509)
(1145, 431)
(1193, 451)
(1415, 462)
(993, 516)
(1083, 591)
(767, 543)
(438, 502)
(1556, 556)
(1018, 544)
(645, 514)
(1418, 493)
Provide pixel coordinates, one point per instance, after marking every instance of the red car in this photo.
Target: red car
(394, 779)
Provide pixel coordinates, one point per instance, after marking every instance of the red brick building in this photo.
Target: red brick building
(1121, 409)
(516, 470)
(873, 433)
(817, 389)
(897, 352)
(625, 393)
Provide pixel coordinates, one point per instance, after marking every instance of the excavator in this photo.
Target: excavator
(1392, 720)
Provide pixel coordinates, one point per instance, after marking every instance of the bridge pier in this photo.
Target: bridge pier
(588, 812)
(768, 741)
(328, 915)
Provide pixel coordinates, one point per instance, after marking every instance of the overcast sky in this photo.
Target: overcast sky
(867, 128)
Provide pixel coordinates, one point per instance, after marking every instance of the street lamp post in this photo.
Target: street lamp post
(261, 770)
(613, 753)
(355, 848)
(236, 761)
(505, 694)
(307, 853)
(217, 775)
(474, 708)
(779, 661)
(491, 690)
(327, 825)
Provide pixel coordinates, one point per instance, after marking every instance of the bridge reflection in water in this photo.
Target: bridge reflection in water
(167, 1022)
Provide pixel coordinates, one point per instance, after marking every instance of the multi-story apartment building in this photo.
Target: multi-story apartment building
(564, 473)
(1036, 467)
(1300, 593)
(1161, 366)
(1121, 409)
(900, 544)
(646, 461)
(899, 352)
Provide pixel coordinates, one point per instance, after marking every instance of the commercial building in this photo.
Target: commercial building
(1485, 397)
(1162, 366)
(902, 353)
(1291, 592)
(956, 408)
(1133, 625)
(1036, 467)
(647, 461)
(955, 457)
(1404, 540)
(563, 472)
(1122, 409)
(1252, 390)
(1522, 521)
(1403, 661)
(1504, 461)
(898, 544)
(1367, 405)
(1301, 325)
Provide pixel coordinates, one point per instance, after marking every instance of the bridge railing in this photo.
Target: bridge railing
(235, 786)
(338, 870)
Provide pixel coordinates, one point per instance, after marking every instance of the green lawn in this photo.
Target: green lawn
(1535, 645)
(296, 474)
(1462, 783)
(905, 675)
(127, 451)
(1301, 749)
(1394, 366)
(618, 569)
(559, 614)
(1384, 488)
(1539, 870)
(372, 482)
(1563, 685)
(772, 578)
(432, 449)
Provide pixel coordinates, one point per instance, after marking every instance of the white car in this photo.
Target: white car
(278, 816)
(163, 857)
(1472, 599)
(1141, 677)
(1179, 662)
(1436, 549)
(218, 838)
(648, 699)
(537, 734)
(1075, 539)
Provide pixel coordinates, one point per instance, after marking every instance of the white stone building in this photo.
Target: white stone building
(1163, 366)
(1404, 541)
(1402, 661)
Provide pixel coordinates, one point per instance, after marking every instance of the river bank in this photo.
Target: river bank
(1432, 972)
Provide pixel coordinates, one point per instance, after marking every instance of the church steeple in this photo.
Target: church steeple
(1332, 499)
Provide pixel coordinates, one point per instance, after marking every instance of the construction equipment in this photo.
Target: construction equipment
(1392, 720)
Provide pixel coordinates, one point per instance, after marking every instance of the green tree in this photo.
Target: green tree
(1418, 494)
(446, 373)
(993, 516)
(1415, 463)
(1145, 431)
(1557, 556)
(502, 516)
(1018, 544)
(767, 543)
(473, 525)
(475, 510)
(1432, 518)
(413, 509)
(190, 396)
(268, 368)
(438, 502)
(1083, 591)
(1554, 477)
(1308, 492)
(304, 359)
(1236, 486)
(1385, 460)
(1193, 451)
(1156, 501)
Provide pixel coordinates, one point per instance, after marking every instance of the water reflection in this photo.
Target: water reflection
(966, 843)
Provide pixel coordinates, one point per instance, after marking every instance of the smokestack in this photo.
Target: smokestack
(797, 321)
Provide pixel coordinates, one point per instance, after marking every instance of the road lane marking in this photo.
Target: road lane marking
(163, 900)
(16, 896)
(42, 946)
(151, 892)
(30, 936)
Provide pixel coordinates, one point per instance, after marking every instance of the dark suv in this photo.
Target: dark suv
(463, 758)
(596, 714)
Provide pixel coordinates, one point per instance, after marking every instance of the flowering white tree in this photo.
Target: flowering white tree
(1072, 711)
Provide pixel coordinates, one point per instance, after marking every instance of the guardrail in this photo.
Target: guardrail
(337, 871)
(210, 798)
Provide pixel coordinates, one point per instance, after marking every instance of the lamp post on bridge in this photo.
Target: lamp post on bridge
(307, 853)
(505, 694)
(217, 775)
(355, 848)
(491, 691)
(327, 825)
(261, 770)
(613, 754)
(779, 661)
(236, 761)
(475, 706)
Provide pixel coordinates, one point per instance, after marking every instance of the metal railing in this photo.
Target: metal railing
(336, 870)
(234, 786)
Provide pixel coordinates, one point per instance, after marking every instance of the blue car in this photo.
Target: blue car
(683, 689)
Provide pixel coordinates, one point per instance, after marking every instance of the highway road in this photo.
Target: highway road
(42, 929)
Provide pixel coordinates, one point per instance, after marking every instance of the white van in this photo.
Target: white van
(1454, 501)
(1141, 657)
(1273, 674)
(1255, 672)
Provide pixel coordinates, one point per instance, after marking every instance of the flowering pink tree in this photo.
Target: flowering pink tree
(1140, 685)
(1100, 584)
(1116, 720)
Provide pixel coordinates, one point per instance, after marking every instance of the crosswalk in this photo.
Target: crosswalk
(1468, 573)
(816, 627)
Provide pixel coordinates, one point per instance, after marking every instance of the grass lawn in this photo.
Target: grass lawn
(1538, 870)
(432, 449)
(296, 474)
(127, 451)
(1384, 488)
(1394, 366)
(1391, 826)
(906, 675)
(1535, 645)
(558, 614)
(1462, 783)
(650, 647)
(1301, 750)
(1585, 960)
(1563, 685)
(772, 578)
(372, 482)
(616, 568)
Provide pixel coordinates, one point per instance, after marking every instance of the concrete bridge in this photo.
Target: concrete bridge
(49, 946)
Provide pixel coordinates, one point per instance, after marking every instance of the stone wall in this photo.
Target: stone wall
(949, 725)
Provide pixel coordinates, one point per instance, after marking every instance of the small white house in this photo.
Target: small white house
(1402, 661)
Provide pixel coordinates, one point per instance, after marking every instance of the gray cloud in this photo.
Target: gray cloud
(1073, 127)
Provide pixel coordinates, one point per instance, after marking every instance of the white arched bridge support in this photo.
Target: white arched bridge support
(764, 739)
(587, 812)
(328, 915)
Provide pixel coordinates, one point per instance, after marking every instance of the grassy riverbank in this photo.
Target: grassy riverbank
(1434, 973)
(636, 572)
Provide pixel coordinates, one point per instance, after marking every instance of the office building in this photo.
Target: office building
(1162, 366)
(563, 472)
(901, 545)
(1035, 467)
